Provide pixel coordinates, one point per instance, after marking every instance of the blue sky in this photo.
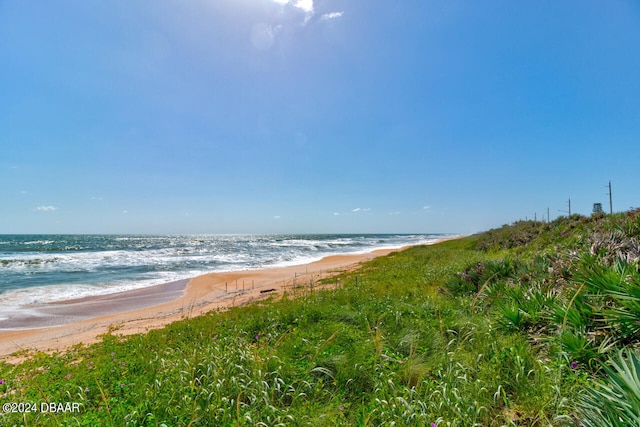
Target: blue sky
(276, 116)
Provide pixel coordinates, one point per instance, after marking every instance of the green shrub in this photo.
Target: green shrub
(614, 400)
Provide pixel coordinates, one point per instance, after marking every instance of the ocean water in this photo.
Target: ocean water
(45, 268)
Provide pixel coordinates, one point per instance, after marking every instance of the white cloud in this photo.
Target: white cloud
(332, 15)
(356, 210)
(426, 208)
(361, 210)
(336, 214)
(276, 217)
(306, 5)
(264, 36)
(47, 208)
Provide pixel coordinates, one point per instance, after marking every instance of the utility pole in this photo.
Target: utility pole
(569, 212)
(610, 200)
(548, 216)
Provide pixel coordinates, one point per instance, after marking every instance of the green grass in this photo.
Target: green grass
(515, 326)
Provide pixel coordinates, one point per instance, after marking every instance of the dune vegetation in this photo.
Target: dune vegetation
(532, 324)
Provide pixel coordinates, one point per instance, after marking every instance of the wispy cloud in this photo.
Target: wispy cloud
(47, 208)
(332, 15)
(308, 8)
(276, 217)
(355, 211)
(426, 208)
(262, 36)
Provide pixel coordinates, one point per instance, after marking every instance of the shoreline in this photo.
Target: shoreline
(63, 312)
(162, 304)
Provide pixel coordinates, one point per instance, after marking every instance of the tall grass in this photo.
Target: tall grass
(506, 328)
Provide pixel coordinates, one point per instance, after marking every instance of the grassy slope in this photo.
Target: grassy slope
(486, 330)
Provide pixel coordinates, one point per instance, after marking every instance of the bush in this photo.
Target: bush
(615, 400)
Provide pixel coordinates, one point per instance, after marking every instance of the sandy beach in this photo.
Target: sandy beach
(56, 326)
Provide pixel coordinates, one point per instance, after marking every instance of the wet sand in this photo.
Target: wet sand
(37, 316)
(56, 326)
